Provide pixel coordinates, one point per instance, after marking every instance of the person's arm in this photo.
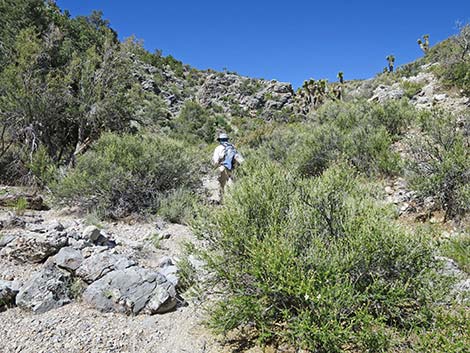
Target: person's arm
(217, 156)
(239, 158)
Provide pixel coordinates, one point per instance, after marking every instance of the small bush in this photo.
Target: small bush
(411, 88)
(457, 75)
(42, 167)
(439, 163)
(315, 262)
(458, 248)
(129, 174)
(20, 206)
(196, 123)
(178, 206)
(361, 133)
(449, 334)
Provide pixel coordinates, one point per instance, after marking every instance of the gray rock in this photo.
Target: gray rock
(53, 226)
(34, 247)
(96, 236)
(440, 97)
(68, 258)
(79, 244)
(46, 290)
(169, 270)
(384, 93)
(133, 290)
(171, 273)
(11, 221)
(91, 233)
(5, 239)
(99, 264)
(461, 291)
(450, 267)
(8, 292)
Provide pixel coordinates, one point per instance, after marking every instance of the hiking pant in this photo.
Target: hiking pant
(225, 180)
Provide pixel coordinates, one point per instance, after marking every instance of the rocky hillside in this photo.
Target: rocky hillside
(222, 92)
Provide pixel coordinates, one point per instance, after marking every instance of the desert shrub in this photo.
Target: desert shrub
(410, 69)
(314, 262)
(453, 57)
(439, 162)
(361, 133)
(128, 173)
(42, 167)
(277, 141)
(458, 248)
(196, 123)
(448, 334)
(411, 88)
(457, 75)
(394, 116)
(315, 151)
(178, 206)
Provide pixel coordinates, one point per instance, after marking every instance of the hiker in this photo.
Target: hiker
(225, 158)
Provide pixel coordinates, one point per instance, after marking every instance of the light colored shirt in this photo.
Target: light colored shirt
(219, 155)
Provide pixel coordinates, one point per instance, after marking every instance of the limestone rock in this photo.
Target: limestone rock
(34, 247)
(46, 290)
(5, 239)
(384, 93)
(8, 292)
(68, 258)
(45, 227)
(91, 233)
(169, 270)
(99, 264)
(96, 236)
(132, 291)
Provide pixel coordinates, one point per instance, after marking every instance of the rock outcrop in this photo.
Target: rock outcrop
(133, 290)
(72, 254)
(235, 94)
(34, 247)
(46, 290)
(99, 264)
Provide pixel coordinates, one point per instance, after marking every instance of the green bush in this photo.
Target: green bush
(127, 174)
(458, 248)
(394, 116)
(196, 123)
(439, 162)
(315, 262)
(411, 88)
(361, 133)
(178, 206)
(457, 75)
(449, 334)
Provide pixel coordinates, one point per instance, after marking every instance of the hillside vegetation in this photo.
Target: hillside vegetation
(309, 249)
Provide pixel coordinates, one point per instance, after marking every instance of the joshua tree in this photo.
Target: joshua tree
(463, 39)
(338, 92)
(424, 44)
(341, 77)
(391, 62)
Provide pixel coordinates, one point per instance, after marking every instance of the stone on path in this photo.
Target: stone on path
(132, 291)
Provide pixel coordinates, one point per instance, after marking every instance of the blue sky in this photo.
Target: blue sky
(284, 40)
